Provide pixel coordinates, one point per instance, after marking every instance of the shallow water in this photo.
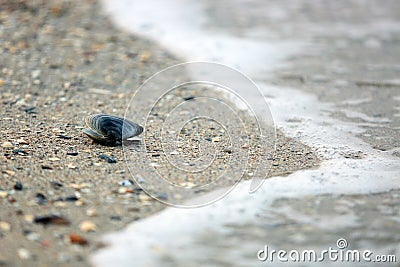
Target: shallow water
(261, 39)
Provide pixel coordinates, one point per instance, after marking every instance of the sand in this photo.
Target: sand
(61, 61)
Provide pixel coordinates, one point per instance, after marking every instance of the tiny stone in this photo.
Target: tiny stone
(71, 199)
(22, 141)
(35, 74)
(23, 253)
(115, 218)
(45, 167)
(108, 158)
(246, 146)
(29, 218)
(33, 236)
(3, 194)
(51, 219)
(30, 110)
(77, 239)
(216, 139)
(91, 212)
(9, 172)
(72, 153)
(20, 152)
(71, 166)
(228, 150)
(122, 190)
(18, 186)
(7, 144)
(79, 203)
(87, 226)
(5, 226)
(56, 185)
(188, 98)
(145, 56)
(64, 137)
(54, 159)
(41, 199)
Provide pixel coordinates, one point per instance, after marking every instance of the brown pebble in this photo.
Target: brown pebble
(78, 239)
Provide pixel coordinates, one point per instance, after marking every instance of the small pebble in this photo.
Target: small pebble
(71, 166)
(78, 239)
(91, 212)
(23, 253)
(29, 218)
(188, 98)
(115, 218)
(46, 167)
(51, 219)
(54, 159)
(33, 236)
(56, 185)
(145, 56)
(79, 203)
(216, 139)
(30, 110)
(72, 153)
(122, 190)
(35, 74)
(108, 158)
(87, 226)
(66, 137)
(228, 150)
(5, 226)
(41, 199)
(7, 144)
(9, 172)
(22, 141)
(18, 186)
(246, 146)
(20, 152)
(3, 194)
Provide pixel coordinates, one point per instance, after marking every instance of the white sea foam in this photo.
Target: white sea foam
(172, 235)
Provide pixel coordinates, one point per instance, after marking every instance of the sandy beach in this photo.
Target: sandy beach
(61, 61)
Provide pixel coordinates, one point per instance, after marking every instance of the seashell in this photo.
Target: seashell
(110, 130)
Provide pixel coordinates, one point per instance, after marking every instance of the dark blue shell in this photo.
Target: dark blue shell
(109, 129)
